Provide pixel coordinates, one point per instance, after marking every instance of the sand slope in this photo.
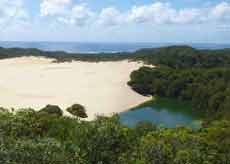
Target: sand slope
(36, 82)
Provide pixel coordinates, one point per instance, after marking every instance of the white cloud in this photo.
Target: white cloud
(110, 17)
(54, 7)
(157, 12)
(67, 12)
(188, 16)
(221, 12)
(164, 13)
(12, 11)
(80, 15)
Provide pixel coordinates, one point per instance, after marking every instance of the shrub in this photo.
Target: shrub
(4, 110)
(52, 109)
(77, 110)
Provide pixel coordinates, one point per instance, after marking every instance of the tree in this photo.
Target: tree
(4, 110)
(77, 110)
(52, 109)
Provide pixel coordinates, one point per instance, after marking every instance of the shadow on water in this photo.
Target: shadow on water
(164, 112)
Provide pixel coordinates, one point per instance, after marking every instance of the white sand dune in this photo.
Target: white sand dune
(100, 87)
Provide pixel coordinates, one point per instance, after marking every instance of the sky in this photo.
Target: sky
(196, 21)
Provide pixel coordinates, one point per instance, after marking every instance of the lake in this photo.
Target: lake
(163, 112)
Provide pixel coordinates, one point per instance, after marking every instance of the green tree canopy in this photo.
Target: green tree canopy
(77, 110)
(52, 109)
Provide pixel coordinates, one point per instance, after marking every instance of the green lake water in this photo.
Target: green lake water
(163, 112)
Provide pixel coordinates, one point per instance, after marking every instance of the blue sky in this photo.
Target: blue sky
(205, 21)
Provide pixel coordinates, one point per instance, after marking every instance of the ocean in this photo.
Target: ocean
(80, 47)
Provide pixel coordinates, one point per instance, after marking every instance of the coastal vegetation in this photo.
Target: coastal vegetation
(33, 137)
(207, 89)
(61, 56)
(178, 57)
(199, 77)
(172, 56)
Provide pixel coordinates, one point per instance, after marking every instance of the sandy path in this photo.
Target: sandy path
(36, 82)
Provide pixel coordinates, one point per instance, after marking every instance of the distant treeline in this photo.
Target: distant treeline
(172, 56)
(184, 57)
(62, 56)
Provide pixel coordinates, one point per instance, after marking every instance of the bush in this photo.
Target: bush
(52, 109)
(4, 110)
(30, 138)
(77, 110)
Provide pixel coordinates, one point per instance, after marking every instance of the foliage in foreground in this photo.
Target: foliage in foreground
(30, 137)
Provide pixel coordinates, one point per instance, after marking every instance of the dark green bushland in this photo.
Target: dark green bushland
(29, 137)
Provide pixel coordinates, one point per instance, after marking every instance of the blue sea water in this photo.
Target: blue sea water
(80, 47)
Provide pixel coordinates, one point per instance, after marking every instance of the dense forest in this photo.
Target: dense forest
(184, 57)
(30, 137)
(207, 89)
(199, 76)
